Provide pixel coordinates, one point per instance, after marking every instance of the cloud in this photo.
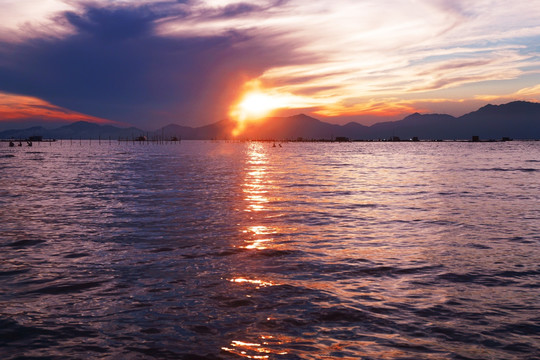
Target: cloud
(114, 65)
(532, 92)
(113, 25)
(154, 62)
(20, 20)
(17, 108)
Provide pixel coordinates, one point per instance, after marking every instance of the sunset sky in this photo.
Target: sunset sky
(151, 63)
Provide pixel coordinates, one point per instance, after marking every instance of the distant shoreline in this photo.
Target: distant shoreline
(167, 141)
(515, 120)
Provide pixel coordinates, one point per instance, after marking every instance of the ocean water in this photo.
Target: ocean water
(226, 250)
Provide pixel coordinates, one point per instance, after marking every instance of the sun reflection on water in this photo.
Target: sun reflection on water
(259, 283)
(257, 235)
(260, 237)
(255, 350)
(256, 187)
(256, 182)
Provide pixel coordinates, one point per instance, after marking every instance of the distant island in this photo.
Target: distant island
(515, 120)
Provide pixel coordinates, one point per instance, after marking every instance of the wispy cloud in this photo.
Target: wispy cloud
(13, 107)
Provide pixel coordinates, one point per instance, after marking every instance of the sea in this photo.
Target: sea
(213, 250)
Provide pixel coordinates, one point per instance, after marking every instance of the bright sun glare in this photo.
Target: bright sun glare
(254, 105)
(258, 103)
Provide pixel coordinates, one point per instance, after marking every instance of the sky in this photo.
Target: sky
(194, 62)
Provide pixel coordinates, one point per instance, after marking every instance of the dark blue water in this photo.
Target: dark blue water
(216, 250)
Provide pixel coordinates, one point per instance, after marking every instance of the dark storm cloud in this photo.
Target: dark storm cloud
(115, 66)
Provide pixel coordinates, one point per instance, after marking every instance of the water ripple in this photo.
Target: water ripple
(225, 250)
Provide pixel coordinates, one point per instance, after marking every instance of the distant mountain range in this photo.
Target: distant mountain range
(517, 120)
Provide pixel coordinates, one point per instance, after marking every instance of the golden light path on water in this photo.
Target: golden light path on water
(255, 188)
(259, 237)
(259, 191)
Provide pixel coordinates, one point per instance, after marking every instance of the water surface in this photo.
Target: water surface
(223, 250)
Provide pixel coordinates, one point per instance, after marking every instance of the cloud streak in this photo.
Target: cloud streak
(26, 108)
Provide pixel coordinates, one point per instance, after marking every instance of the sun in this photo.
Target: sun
(255, 105)
(258, 103)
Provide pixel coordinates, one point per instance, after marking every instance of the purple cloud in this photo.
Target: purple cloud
(113, 65)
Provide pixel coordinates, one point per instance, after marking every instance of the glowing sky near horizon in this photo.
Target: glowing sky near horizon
(338, 60)
(13, 107)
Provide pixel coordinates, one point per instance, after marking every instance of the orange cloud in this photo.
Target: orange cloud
(526, 94)
(380, 108)
(18, 107)
(530, 93)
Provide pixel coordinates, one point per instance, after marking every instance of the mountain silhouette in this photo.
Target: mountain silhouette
(518, 120)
